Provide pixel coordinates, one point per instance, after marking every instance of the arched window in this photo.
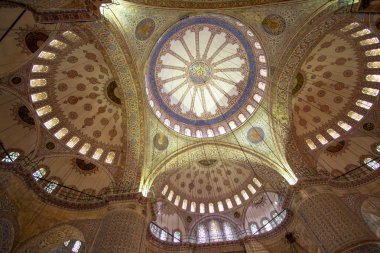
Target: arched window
(371, 163)
(251, 189)
(344, 125)
(177, 199)
(51, 186)
(378, 148)
(228, 232)
(244, 194)
(184, 204)
(202, 234)
(76, 247)
(164, 234)
(193, 206)
(211, 208)
(202, 208)
(229, 203)
(170, 196)
(220, 206)
(11, 157)
(177, 236)
(267, 225)
(257, 182)
(237, 200)
(321, 139)
(254, 228)
(165, 190)
(38, 174)
(215, 234)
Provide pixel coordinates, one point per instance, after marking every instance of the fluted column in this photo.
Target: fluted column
(332, 225)
(123, 229)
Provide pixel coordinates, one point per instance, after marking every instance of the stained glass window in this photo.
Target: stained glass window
(220, 206)
(370, 41)
(371, 163)
(43, 110)
(70, 35)
(261, 86)
(177, 199)
(370, 91)
(84, 149)
(61, 133)
(50, 187)
(38, 96)
(110, 157)
(373, 65)
(350, 27)
(333, 133)
(214, 231)
(38, 174)
(11, 157)
(254, 228)
(228, 232)
(268, 226)
(177, 236)
(46, 55)
(51, 123)
(344, 125)
(40, 68)
(364, 104)
(57, 44)
(321, 139)
(354, 115)
(97, 154)
(164, 234)
(193, 206)
(202, 234)
(202, 208)
(372, 52)
(76, 247)
(211, 208)
(37, 82)
(257, 182)
(72, 142)
(311, 144)
(165, 190)
(373, 78)
(251, 189)
(257, 98)
(378, 148)
(229, 203)
(170, 196)
(244, 194)
(361, 33)
(184, 204)
(237, 200)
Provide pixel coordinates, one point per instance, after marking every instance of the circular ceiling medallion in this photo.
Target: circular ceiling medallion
(274, 24)
(160, 141)
(255, 135)
(144, 29)
(206, 76)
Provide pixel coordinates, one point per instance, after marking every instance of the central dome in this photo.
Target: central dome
(206, 76)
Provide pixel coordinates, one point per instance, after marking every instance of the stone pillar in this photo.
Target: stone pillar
(332, 225)
(123, 229)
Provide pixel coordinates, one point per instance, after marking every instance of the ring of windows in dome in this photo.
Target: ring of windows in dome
(182, 75)
(39, 80)
(220, 206)
(357, 33)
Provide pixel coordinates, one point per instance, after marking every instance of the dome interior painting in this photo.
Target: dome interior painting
(189, 126)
